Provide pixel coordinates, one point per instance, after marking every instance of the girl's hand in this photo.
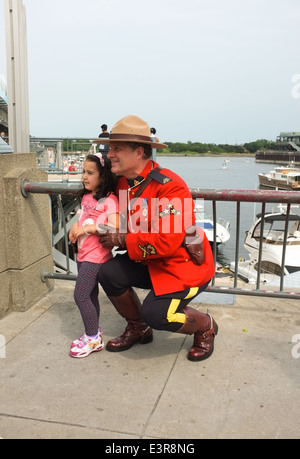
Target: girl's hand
(79, 232)
(72, 233)
(86, 231)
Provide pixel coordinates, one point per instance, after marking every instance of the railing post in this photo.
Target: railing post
(284, 245)
(237, 240)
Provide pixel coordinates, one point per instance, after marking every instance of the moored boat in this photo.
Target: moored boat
(206, 223)
(273, 243)
(281, 178)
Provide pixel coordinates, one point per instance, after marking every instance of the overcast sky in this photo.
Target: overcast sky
(219, 71)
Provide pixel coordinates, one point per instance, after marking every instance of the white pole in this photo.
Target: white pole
(17, 76)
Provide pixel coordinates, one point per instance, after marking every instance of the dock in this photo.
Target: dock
(249, 388)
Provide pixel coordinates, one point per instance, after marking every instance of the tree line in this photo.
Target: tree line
(190, 147)
(201, 148)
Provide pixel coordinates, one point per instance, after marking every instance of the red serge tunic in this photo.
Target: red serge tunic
(156, 223)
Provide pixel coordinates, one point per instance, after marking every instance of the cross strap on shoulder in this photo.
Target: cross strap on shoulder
(151, 176)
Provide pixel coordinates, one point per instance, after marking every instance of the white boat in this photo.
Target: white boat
(206, 223)
(281, 178)
(272, 248)
(224, 166)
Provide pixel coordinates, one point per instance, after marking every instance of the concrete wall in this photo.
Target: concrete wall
(25, 235)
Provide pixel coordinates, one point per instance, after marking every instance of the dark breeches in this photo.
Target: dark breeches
(161, 312)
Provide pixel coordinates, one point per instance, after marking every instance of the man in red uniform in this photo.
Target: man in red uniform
(155, 258)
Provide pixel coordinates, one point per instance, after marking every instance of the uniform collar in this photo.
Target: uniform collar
(140, 178)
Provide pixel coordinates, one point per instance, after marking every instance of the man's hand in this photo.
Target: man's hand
(109, 240)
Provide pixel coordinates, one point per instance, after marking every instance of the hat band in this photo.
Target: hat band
(124, 137)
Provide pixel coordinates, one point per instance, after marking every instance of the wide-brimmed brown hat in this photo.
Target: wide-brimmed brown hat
(130, 129)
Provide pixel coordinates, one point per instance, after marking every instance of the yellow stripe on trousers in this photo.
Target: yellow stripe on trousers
(179, 317)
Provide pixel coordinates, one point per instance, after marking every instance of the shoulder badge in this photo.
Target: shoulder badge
(159, 177)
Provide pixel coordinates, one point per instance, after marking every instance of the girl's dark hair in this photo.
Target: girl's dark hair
(108, 179)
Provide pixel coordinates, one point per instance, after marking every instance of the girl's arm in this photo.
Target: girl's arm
(112, 221)
(72, 232)
(84, 230)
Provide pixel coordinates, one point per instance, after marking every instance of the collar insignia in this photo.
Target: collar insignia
(135, 182)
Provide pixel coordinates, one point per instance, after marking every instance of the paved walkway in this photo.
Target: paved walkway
(249, 388)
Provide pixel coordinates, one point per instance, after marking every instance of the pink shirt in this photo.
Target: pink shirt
(93, 212)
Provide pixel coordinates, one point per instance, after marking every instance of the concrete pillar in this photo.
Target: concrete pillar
(17, 75)
(25, 235)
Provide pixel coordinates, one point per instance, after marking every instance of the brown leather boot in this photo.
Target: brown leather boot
(137, 331)
(204, 328)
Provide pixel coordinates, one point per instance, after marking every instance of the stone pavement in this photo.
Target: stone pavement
(249, 387)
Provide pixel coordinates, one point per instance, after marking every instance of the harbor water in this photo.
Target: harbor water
(208, 172)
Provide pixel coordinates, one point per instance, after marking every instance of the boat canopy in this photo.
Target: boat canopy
(278, 217)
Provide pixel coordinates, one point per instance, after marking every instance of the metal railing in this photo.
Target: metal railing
(253, 196)
(212, 195)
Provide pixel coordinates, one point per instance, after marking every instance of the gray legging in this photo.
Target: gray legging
(86, 296)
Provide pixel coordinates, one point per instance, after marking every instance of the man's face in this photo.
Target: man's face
(124, 160)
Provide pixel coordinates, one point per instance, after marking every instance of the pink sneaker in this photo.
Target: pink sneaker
(86, 347)
(83, 337)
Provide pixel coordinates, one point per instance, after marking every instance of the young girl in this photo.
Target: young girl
(99, 205)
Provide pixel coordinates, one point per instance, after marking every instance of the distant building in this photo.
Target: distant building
(287, 150)
(287, 137)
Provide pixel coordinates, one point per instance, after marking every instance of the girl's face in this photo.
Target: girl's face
(91, 176)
